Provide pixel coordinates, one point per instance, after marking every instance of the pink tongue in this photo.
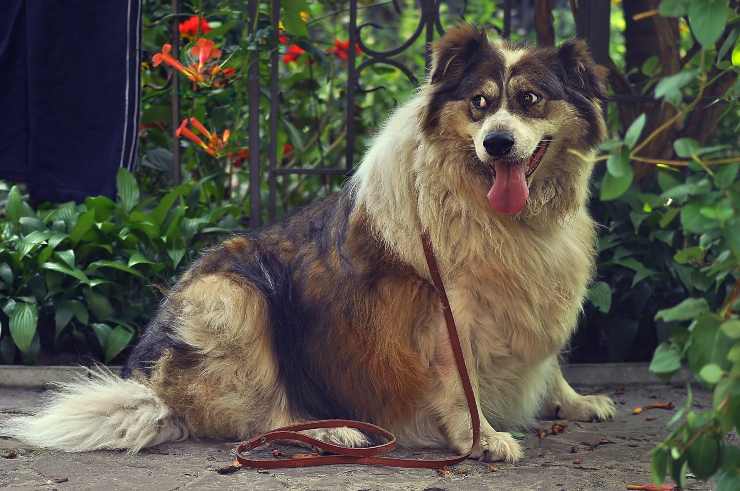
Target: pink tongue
(509, 192)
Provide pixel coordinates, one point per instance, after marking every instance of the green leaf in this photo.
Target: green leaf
(6, 274)
(23, 322)
(292, 17)
(102, 331)
(138, 258)
(634, 131)
(103, 207)
(600, 294)
(641, 271)
(113, 265)
(731, 328)
(734, 354)
(707, 20)
(711, 373)
(670, 87)
(728, 44)
(117, 341)
(668, 217)
(83, 225)
(612, 187)
(61, 268)
(618, 164)
(68, 257)
(689, 254)
(692, 220)
(176, 255)
(725, 175)
(100, 306)
(673, 8)
(703, 455)
(666, 359)
(686, 310)
(159, 213)
(686, 147)
(707, 343)
(128, 190)
(15, 207)
(659, 464)
(65, 310)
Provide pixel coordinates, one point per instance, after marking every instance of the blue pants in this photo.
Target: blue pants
(69, 94)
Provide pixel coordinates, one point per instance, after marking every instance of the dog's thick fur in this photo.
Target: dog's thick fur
(332, 313)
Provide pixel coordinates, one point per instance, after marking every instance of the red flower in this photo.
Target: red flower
(287, 149)
(292, 54)
(283, 39)
(341, 49)
(194, 26)
(239, 157)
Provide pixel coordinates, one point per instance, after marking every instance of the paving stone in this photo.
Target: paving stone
(585, 456)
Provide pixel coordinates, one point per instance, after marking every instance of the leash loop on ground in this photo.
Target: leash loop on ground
(369, 455)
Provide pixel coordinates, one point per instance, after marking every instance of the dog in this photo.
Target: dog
(331, 314)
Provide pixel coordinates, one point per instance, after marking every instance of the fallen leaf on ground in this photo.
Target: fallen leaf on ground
(651, 487)
(230, 469)
(593, 446)
(492, 467)
(658, 405)
(444, 471)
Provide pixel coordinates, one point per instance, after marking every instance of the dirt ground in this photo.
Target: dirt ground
(589, 456)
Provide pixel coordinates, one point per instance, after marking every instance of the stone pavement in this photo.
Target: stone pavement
(584, 456)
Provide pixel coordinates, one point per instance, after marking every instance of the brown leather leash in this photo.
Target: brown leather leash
(368, 455)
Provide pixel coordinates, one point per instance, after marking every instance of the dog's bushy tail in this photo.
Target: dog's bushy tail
(100, 412)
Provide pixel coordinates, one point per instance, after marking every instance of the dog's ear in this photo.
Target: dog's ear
(454, 53)
(579, 70)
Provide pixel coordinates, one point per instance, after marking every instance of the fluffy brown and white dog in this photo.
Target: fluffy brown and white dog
(332, 314)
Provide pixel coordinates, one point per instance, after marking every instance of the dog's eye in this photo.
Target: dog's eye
(479, 102)
(530, 99)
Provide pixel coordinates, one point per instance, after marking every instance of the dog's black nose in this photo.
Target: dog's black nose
(498, 143)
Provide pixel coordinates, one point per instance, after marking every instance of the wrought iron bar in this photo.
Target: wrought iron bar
(175, 94)
(507, 19)
(274, 95)
(351, 86)
(253, 90)
(314, 171)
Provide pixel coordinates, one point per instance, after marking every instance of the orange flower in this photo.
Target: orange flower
(203, 69)
(205, 50)
(165, 57)
(287, 149)
(213, 145)
(193, 26)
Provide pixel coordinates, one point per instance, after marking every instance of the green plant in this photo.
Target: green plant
(670, 199)
(86, 276)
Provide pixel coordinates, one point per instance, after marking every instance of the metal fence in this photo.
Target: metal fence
(592, 24)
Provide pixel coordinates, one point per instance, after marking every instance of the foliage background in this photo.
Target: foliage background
(79, 281)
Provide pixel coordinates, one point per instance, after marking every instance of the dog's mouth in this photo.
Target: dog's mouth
(510, 190)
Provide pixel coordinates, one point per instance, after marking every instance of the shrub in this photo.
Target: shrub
(86, 277)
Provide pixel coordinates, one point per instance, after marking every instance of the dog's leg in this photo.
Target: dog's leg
(562, 401)
(449, 403)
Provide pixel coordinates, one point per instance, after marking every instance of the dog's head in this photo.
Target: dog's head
(511, 114)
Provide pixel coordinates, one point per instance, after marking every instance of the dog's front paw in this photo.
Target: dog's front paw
(494, 446)
(588, 408)
(344, 437)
